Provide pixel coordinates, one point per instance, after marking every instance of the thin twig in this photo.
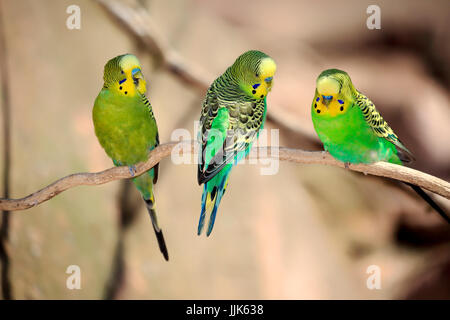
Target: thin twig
(382, 169)
(4, 230)
(139, 24)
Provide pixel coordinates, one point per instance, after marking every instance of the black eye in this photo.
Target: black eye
(257, 75)
(121, 71)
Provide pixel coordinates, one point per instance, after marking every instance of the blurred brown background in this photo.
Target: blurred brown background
(307, 232)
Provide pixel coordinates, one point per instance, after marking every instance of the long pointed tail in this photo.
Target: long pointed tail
(430, 201)
(144, 183)
(211, 200)
(157, 229)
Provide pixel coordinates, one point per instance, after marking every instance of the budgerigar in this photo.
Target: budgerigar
(126, 127)
(233, 113)
(352, 130)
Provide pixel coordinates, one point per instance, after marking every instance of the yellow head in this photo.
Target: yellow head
(254, 71)
(334, 90)
(123, 74)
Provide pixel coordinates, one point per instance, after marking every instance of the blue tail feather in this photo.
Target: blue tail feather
(219, 186)
(212, 217)
(216, 197)
(201, 221)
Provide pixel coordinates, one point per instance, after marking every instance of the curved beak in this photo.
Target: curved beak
(136, 74)
(138, 79)
(268, 80)
(326, 100)
(134, 71)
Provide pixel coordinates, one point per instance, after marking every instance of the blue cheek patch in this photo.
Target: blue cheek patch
(268, 79)
(256, 85)
(341, 101)
(122, 81)
(317, 99)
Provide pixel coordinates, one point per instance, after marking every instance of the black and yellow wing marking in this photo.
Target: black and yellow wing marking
(244, 119)
(156, 167)
(150, 110)
(381, 127)
(148, 105)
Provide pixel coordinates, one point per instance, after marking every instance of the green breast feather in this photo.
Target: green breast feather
(349, 138)
(124, 126)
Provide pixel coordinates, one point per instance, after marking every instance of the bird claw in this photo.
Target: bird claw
(133, 170)
(347, 165)
(117, 163)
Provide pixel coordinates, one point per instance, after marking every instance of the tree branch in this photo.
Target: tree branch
(138, 23)
(5, 276)
(382, 169)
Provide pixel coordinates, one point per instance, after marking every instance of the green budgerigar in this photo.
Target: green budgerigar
(352, 130)
(233, 113)
(126, 127)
